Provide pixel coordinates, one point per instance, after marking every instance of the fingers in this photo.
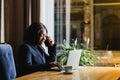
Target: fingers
(50, 41)
(55, 64)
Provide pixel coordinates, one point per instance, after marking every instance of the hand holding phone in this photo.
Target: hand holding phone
(46, 42)
(49, 41)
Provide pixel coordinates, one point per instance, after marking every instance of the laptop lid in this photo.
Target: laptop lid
(74, 58)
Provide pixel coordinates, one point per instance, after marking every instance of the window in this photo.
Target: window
(93, 23)
(2, 33)
(47, 15)
(106, 24)
(72, 22)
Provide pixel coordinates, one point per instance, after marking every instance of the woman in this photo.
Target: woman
(32, 56)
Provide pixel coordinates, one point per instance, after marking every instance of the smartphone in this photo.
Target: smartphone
(47, 43)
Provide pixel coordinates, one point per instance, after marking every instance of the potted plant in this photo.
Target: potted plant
(86, 58)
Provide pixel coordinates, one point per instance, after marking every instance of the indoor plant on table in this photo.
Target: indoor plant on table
(86, 58)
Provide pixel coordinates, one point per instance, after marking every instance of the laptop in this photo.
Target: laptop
(74, 58)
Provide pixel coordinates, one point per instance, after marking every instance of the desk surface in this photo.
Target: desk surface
(113, 60)
(82, 73)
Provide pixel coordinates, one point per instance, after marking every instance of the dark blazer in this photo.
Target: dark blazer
(34, 58)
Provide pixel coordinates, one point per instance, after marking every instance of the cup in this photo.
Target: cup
(68, 68)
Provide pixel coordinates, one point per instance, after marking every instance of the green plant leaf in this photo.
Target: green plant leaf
(87, 58)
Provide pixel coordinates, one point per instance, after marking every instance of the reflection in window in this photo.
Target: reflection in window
(106, 1)
(72, 22)
(107, 27)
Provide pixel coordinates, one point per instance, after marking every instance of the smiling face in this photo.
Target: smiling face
(42, 36)
(36, 34)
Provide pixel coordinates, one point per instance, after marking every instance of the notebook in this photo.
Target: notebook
(74, 58)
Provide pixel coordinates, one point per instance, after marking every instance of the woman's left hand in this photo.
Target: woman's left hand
(55, 64)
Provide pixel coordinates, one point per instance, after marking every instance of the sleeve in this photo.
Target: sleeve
(26, 61)
(52, 53)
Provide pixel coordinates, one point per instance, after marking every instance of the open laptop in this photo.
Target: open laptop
(74, 58)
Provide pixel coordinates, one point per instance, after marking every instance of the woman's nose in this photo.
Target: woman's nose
(44, 37)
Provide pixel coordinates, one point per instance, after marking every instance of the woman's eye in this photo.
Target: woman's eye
(42, 35)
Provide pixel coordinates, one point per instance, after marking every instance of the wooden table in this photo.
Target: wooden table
(82, 73)
(108, 61)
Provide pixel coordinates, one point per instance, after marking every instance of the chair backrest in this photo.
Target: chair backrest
(7, 65)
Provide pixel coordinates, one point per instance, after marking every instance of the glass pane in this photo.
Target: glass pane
(60, 29)
(72, 22)
(76, 20)
(107, 27)
(106, 1)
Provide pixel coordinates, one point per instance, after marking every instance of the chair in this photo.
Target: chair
(7, 65)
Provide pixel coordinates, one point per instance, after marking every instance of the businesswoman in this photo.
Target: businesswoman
(32, 55)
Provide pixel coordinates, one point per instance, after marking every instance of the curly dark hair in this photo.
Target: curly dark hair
(32, 32)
